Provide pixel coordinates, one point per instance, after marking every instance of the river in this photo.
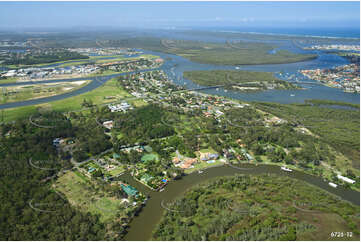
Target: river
(174, 66)
(142, 225)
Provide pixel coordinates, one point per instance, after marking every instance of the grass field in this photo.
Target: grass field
(8, 80)
(117, 171)
(148, 157)
(70, 104)
(29, 92)
(80, 194)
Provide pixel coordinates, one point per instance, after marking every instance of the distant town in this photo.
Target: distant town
(334, 47)
(346, 77)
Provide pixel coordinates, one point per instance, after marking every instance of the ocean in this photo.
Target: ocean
(350, 32)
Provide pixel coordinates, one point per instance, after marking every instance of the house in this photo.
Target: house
(176, 160)
(227, 154)
(208, 156)
(91, 169)
(108, 124)
(58, 141)
(188, 163)
(124, 106)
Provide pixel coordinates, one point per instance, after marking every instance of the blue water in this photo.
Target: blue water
(352, 32)
(174, 67)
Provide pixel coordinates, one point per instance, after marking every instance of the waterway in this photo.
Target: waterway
(142, 225)
(174, 67)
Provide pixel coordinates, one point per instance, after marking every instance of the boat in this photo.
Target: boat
(332, 184)
(285, 169)
(292, 95)
(200, 171)
(161, 190)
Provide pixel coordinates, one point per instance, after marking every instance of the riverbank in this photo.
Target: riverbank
(18, 93)
(201, 206)
(153, 210)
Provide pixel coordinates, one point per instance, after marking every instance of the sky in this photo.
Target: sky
(22, 15)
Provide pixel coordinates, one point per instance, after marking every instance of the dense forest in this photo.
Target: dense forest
(24, 184)
(247, 207)
(29, 163)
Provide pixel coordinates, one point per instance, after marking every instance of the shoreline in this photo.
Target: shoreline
(290, 35)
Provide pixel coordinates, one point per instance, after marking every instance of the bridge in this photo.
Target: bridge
(308, 83)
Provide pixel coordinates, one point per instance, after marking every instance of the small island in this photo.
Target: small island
(239, 80)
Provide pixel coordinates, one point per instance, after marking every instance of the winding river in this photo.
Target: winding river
(174, 67)
(143, 224)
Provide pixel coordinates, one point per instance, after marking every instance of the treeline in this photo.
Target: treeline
(24, 150)
(337, 127)
(141, 125)
(319, 102)
(44, 56)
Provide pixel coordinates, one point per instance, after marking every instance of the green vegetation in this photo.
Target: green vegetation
(8, 80)
(141, 124)
(318, 102)
(257, 208)
(229, 53)
(42, 56)
(22, 183)
(96, 96)
(28, 92)
(238, 79)
(337, 127)
(90, 197)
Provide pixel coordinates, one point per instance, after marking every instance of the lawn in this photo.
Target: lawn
(118, 170)
(148, 157)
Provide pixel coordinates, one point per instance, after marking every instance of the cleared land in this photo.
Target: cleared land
(81, 193)
(28, 92)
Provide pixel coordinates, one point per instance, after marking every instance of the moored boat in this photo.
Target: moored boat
(332, 184)
(285, 169)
